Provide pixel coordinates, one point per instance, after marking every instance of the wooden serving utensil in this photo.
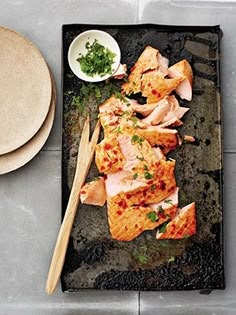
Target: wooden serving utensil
(84, 160)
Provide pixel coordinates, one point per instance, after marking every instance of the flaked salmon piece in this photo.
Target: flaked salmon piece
(127, 223)
(109, 120)
(122, 182)
(159, 154)
(169, 204)
(174, 122)
(136, 151)
(145, 109)
(164, 137)
(94, 193)
(183, 70)
(158, 113)
(167, 112)
(115, 105)
(175, 111)
(155, 87)
(183, 225)
(151, 186)
(189, 138)
(163, 64)
(108, 156)
(120, 72)
(147, 61)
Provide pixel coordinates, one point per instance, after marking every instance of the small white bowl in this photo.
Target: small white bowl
(78, 47)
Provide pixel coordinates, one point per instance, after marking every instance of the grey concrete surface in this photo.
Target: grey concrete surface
(30, 197)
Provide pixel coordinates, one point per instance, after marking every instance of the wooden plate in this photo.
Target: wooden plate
(25, 90)
(16, 159)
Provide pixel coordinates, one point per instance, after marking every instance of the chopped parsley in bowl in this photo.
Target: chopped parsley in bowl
(94, 56)
(98, 60)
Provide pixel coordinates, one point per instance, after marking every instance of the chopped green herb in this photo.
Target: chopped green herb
(145, 167)
(126, 80)
(67, 93)
(167, 216)
(135, 176)
(140, 141)
(153, 187)
(118, 130)
(97, 60)
(171, 259)
(160, 209)
(147, 175)
(169, 201)
(137, 139)
(125, 113)
(119, 95)
(134, 138)
(96, 178)
(186, 236)
(66, 115)
(141, 158)
(134, 119)
(163, 227)
(77, 102)
(152, 216)
(142, 259)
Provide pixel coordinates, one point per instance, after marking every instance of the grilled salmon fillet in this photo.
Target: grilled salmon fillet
(147, 61)
(183, 225)
(159, 112)
(166, 113)
(183, 70)
(108, 156)
(139, 183)
(145, 109)
(168, 204)
(151, 186)
(155, 87)
(127, 224)
(118, 118)
(164, 137)
(174, 122)
(94, 193)
(159, 154)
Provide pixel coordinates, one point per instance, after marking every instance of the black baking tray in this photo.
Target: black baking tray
(94, 260)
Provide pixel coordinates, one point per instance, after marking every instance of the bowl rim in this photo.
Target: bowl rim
(85, 77)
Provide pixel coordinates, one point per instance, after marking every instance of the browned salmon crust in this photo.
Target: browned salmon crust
(155, 87)
(127, 224)
(147, 61)
(183, 225)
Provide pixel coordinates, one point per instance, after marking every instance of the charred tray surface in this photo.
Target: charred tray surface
(94, 260)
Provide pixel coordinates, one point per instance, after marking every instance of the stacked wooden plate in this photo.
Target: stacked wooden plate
(27, 100)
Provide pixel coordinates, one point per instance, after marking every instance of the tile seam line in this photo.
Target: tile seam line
(139, 297)
(138, 16)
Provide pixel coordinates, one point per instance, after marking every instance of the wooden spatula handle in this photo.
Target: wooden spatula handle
(84, 160)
